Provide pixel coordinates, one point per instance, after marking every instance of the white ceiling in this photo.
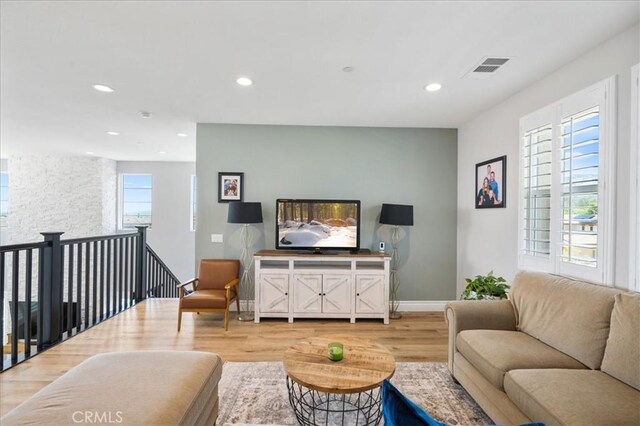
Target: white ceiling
(179, 61)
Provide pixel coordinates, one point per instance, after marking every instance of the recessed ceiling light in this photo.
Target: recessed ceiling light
(433, 87)
(347, 69)
(145, 114)
(182, 135)
(103, 88)
(89, 152)
(162, 152)
(244, 81)
(112, 133)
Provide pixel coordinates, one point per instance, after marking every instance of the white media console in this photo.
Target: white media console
(304, 285)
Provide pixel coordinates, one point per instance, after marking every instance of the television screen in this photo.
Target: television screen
(318, 224)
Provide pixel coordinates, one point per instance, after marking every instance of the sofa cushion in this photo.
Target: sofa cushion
(494, 352)
(571, 316)
(622, 354)
(573, 397)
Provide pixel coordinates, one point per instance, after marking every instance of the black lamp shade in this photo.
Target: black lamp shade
(240, 212)
(396, 214)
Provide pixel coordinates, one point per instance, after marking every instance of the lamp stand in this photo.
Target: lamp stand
(246, 292)
(395, 282)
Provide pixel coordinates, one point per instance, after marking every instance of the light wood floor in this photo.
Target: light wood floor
(151, 325)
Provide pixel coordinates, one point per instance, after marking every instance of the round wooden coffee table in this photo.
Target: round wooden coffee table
(323, 392)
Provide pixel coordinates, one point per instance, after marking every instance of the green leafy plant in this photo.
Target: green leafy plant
(485, 287)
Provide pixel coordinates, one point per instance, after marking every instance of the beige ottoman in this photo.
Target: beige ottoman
(129, 388)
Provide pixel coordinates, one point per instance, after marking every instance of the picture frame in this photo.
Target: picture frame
(230, 186)
(493, 193)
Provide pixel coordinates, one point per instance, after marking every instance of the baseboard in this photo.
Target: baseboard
(403, 306)
(421, 305)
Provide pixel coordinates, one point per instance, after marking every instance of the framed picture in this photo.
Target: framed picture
(491, 183)
(230, 186)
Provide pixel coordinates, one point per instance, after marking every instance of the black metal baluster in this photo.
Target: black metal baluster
(149, 271)
(2, 259)
(156, 277)
(40, 327)
(161, 279)
(15, 257)
(114, 289)
(132, 271)
(87, 281)
(115, 276)
(102, 274)
(79, 287)
(27, 300)
(70, 290)
(108, 278)
(94, 309)
(120, 273)
(126, 272)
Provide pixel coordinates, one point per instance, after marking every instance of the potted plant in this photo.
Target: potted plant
(484, 287)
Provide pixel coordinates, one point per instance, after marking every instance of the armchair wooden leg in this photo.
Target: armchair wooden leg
(179, 318)
(238, 304)
(226, 319)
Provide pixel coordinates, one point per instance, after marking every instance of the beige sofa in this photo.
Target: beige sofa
(560, 351)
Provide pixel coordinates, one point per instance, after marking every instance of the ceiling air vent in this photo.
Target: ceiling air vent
(485, 68)
(495, 61)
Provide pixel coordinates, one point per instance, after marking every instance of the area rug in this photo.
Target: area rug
(255, 393)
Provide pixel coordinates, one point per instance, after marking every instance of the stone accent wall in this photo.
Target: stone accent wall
(75, 195)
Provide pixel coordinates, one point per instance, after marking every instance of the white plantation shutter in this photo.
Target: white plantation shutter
(537, 192)
(566, 169)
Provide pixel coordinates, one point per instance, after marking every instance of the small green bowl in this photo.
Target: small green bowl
(335, 351)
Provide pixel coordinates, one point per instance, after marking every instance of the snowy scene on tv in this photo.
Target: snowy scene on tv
(317, 224)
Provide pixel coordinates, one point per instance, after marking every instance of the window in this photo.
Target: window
(4, 198)
(136, 195)
(566, 205)
(194, 201)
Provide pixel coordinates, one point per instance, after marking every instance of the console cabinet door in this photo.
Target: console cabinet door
(335, 294)
(370, 294)
(307, 293)
(274, 293)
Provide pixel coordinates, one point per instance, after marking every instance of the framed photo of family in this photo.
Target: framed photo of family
(230, 186)
(491, 183)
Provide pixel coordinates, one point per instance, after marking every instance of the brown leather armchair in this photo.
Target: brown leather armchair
(214, 289)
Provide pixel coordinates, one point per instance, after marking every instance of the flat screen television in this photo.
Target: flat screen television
(318, 224)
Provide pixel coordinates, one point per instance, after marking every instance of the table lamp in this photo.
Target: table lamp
(396, 215)
(245, 214)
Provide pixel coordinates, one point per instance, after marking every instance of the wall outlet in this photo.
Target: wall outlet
(217, 238)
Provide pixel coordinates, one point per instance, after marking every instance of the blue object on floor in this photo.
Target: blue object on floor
(398, 410)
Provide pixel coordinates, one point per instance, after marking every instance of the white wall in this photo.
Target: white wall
(170, 235)
(488, 239)
(74, 195)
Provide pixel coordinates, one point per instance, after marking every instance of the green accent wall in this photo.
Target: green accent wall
(374, 165)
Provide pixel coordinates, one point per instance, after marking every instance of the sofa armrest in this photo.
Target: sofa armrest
(477, 315)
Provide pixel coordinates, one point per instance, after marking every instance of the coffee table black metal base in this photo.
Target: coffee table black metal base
(313, 408)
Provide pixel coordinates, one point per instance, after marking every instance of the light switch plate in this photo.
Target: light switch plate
(217, 238)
